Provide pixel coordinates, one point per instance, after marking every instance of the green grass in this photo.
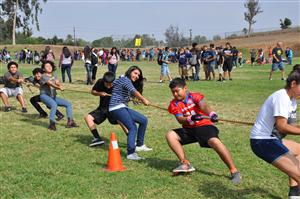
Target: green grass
(37, 163)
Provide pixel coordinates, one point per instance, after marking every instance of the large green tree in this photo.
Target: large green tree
(20, 14)
(253, 9)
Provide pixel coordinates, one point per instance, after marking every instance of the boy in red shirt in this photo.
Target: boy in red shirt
(191, 110)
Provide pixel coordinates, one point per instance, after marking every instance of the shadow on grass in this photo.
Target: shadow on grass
(13, 108)
(217, 190)
(86, 140)
(161, 164)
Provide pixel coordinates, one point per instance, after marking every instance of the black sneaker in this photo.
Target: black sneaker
(71, 124)
(294, 193)
(59, 117)
(52, 126)
(7, 109)
(96, 142)
(24, 110)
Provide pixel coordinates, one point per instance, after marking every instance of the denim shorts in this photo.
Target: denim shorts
(164, 70)
(276, 66)
(269, 150)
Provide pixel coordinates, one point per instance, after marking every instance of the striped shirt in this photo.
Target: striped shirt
(122, 90)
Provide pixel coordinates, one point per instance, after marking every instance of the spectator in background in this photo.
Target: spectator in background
(270, 57)
(65, 63)
(228, 57)
(277, 61)
(94, 60)
(113, 60)
(235, 53)
(289, 55)
(88, 64)
(195, 61)
(252, 56)
(48, 55)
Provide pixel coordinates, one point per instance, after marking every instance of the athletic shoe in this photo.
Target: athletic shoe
(24, 110)
(270, 78)
(184, 167)
(161, 81)
(143, 148)
(134, 156)
(7, 109)
(71, 124)
(97, 142)
(294, 193)
(283, 78)
(59, 117)
(236, 178)
(52, 126)
(294, 197)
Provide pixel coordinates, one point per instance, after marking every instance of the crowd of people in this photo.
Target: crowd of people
(275, 120)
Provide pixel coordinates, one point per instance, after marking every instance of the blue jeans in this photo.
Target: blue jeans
(128, 118)
(89, 71)
(53, 103)
(64, 68)
(112, 68)
(197, 72)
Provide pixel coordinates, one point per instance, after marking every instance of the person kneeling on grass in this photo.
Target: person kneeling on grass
(49, 84)
(276, 119)
(12, 86)
(37, 73)
(103, 89)
(189, 109)
(123, 88)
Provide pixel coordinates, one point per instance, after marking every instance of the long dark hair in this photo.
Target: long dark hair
(111, 51)
(139, 83)
(293, 76)
(87, 52)
(66, 52)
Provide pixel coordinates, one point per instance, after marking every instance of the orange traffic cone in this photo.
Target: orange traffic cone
(114, 162)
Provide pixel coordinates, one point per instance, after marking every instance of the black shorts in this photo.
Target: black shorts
(200, 134)
(100, 116)
(227, 66)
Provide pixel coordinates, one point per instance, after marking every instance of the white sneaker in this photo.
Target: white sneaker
(143, 148)
(134, 156)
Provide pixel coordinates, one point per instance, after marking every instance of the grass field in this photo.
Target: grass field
(37, 163)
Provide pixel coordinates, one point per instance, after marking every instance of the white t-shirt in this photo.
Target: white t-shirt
(277, 104)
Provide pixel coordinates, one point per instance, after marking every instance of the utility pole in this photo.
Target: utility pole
(190, 37)
(14, 24)
(74, 35)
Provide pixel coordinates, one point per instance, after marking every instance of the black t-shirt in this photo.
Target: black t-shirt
(227, 57)
(100, 87)
(277, 52)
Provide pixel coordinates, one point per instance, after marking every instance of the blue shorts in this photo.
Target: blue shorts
(268, 149)
(276, 66)
(164, 70)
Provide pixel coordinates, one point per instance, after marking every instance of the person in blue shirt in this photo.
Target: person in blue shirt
(182, 63)
(127, 86)
(289, 55)
(164, 68)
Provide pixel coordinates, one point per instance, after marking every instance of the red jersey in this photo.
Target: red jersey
(189, 106)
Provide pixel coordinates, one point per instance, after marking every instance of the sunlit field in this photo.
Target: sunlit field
(38, 163)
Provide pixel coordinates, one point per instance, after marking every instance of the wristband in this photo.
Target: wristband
(212, 113)
(189, 119)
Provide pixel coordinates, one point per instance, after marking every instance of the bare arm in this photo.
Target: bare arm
(283, 126)
(57, 86)
(141, 97)
(101, 94)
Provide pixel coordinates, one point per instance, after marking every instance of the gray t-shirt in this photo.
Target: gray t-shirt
(45, 88)
(9, 84)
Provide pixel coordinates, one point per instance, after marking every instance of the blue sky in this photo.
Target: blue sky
(94, 19)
